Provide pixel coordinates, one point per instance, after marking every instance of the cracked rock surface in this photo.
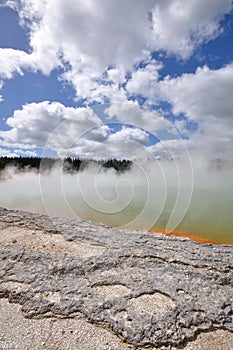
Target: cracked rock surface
(149, 289)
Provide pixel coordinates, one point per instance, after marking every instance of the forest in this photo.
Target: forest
(69, 165)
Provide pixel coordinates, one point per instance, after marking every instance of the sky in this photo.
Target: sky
(116, 79)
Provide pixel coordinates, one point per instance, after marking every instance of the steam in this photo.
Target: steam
(155, 194)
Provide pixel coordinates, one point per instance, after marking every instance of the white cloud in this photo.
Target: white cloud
(180, 25)
(88, 34)
(14, 61)
(116, 76)
(7, 153)
(111, 148)
(206, 98)
(4, 152)
(105, 48)
(98, 41)
(130, 112)
(144, 81)
(98, 134)
(125, 143)
(26, 153)
(130, 134)
(51, 124)
(94, 86)
(68, 131)
(8, 3)
(83, 148)
(205, 94)
(117, 32)
(182, 127)
(171, 148)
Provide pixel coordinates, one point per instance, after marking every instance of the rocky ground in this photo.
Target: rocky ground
(80, 285)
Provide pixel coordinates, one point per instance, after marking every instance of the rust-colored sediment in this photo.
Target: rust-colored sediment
(185, 234)
(180, 234)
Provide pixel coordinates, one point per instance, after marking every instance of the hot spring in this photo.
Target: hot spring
(153, 195)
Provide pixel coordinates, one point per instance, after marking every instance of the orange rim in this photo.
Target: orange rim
(180, 234)
(187, 235)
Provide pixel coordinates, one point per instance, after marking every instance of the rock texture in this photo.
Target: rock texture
(149, 289)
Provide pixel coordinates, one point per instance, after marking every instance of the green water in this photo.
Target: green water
(209, 215)
(132, 203)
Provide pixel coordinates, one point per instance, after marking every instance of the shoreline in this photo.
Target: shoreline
(183, 234)
(188, 235)
(140, 285)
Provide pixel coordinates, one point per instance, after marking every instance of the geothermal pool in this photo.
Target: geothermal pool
(151, 199)
(209, 215)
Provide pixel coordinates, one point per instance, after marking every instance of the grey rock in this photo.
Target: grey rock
(150, 289)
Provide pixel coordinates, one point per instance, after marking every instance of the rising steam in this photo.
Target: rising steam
(154, 194)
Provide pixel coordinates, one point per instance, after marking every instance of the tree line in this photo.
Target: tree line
(69, 165)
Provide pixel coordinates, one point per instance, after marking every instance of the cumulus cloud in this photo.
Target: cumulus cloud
(144, 81)
(97, 42)
(130, 112)
(68, 131)
(39, 124)
(89, 29)
(206, 98)
(102, 143)
(180, 25)
(206, 93)
(105, 50)
(127, 143)
(171, 149)
(107, 31)
(118, 148)
(14, 61)
(94, 86)
(7, 153)
(4, 152)
(128, 134)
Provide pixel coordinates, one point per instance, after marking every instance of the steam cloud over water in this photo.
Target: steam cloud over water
(154, 194)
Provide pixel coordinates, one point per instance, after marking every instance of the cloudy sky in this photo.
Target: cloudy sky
(112, 78)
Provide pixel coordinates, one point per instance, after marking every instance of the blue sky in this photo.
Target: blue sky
(162, 71)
